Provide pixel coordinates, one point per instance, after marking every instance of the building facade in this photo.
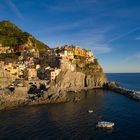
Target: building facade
(54, 73)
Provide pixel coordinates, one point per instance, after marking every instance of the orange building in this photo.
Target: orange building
(72, 51)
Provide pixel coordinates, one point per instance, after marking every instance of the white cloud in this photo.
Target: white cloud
(71, 6)
(123, 35)
(14, 8)
(138, 38)
(135, 56)
(70, 26)
(94, 39)
(77, 33)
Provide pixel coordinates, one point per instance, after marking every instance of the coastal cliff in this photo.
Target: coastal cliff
(25, 62)
(81, 76)
(74, 80)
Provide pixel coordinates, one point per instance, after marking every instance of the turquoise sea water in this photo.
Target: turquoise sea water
(71, 121)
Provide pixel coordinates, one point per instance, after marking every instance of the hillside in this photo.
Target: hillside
(12, 36)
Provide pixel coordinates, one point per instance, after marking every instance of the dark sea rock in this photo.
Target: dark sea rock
(117, 88)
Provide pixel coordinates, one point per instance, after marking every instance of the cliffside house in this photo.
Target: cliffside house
(89, 56)
(20, 48)
(70, 52)
(31, 74)
(54, 73)
(6, 50)
(61, 52)
(79, 51)
(50, 52)
(89, 53)
(11, 68)
(34, 52)
(38, 66)
(15, 69)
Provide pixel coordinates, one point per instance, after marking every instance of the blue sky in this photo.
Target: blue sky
(111, 28)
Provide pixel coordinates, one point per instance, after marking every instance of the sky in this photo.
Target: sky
(110, 28)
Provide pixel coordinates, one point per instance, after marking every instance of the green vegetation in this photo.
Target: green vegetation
(9, 56)
(96, 62)
(12, 36)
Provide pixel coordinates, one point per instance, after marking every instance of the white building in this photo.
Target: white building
(63, 53)
(89, 53)
(54, 73)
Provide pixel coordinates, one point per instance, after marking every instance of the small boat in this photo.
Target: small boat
(104, 124)
(90, 111)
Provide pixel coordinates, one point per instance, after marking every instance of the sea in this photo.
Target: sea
(72, 121)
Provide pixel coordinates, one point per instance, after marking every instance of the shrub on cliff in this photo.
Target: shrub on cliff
(96, 62)
(8, 57)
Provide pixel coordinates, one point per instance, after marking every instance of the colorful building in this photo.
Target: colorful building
(79, 51)
(6, 50)
(31, 73)
(89, 53)
(71, 52)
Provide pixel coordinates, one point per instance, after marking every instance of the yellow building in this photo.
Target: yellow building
(89, 56)
(32, 73)
(6, 49)
(71, 51)
(77, 50)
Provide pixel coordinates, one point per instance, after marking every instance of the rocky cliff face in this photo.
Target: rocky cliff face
(83, 76)
(71, 79)
(5, 78)
(80, 76)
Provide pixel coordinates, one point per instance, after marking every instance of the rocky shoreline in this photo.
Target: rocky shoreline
(113, 86)
(67, 82)
(21, 98)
